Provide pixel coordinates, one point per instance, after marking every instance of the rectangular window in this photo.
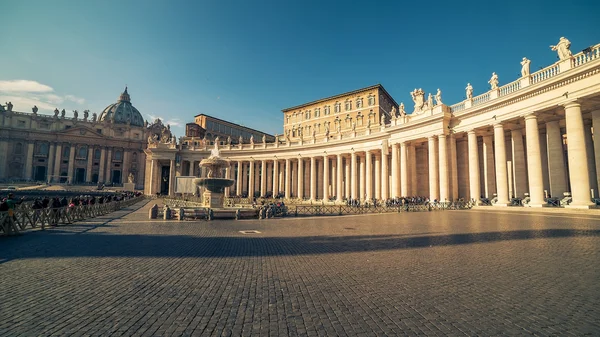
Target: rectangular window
(99, 131)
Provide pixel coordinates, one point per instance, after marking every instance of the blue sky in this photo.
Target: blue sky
(244, 61)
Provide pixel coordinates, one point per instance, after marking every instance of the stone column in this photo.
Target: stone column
(50, 169)
(501, 173)
(71, 170)
(534, 162)
(313, 178)
(474, 187)
(172, 169)
(300, 178)
(338, 176)
(101, 166)
(319, 179)
(263, 178)
(395, 171)
(443, 153)
(288, 179)
(361, 178)
(589, 146)
(596, 126)
(4, 159)
(294, 179)
(29, 161)
(377, 177)
(90, 162)
(238, 182)
(109, 165)
(347, 179)
(578, 162)
(403, 170)
(368, 175)
(325, 178)
(275, 178)
(227, 190)
(519, 165)
(453, 168)
(433, 169)
(251, 179)
(412, 155)
(353, 176)
(385, 181)
(333, 179)
(556, 160)
(489, 167)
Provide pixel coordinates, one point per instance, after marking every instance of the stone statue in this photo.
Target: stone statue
(228, 140)
(173, 140)
(430, 101)
(241, 140)
(525, 67)
(75, 114)
(339, 128)
(382, 120)
(251, 139)
(34, 109)
(469, 90)
(326, 130)
(217, 140)
(402, 111)
(153, 139)
(86, 114)
(418, 97)
(56, 113)
(94, 117)
(264, 139)
(62, 113)
(9, 106)
(394, 112)
(130, 178)
(562, 48)
(438, 97)
(494, 81)
(287, 136)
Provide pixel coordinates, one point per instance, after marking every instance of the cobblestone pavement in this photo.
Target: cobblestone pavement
(437, 273)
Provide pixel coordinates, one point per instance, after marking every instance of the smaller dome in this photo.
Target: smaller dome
(122, 112)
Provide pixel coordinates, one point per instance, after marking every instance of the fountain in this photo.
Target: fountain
(214, 182)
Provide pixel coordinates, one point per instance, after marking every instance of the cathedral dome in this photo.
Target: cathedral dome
(122, 112)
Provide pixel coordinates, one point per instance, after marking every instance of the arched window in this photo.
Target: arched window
(97, 154)
(82, 152)
(19, 148)
(118, 155)
(134, 157)
(66, 151)
(371, 100)
(43, 149)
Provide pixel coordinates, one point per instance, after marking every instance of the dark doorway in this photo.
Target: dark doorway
(79, 175)
(63, 177)
(116, 177)
(40, 173)
(164, 180)
(95, 178)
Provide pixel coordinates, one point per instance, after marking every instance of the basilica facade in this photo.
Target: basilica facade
(78, 149)
(531, 138)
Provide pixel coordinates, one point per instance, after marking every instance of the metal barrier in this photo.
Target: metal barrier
(22, 218)
(320, 210)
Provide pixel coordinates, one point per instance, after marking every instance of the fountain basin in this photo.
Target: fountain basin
(215, 185)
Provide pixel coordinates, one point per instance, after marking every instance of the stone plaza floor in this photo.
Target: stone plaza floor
(477, 272)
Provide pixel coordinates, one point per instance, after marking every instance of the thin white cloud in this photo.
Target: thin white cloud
(24, 94)
(174, 122)
(24, 86)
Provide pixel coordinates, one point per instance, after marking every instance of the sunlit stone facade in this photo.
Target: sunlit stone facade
(531, 136)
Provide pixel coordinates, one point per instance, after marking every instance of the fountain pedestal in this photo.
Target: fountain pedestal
(212, 199)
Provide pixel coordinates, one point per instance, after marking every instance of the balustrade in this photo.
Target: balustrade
(510, 88)
(586, 56)
(545, 73)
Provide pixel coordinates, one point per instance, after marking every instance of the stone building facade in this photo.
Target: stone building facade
(531, 138)
(215, 127)
(79, 149)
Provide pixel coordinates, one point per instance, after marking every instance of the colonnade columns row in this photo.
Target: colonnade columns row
(395, 171)
(589, 146)
(403, 170)
(325, 178)
(172, 177)
(347, 180)
(474, 187)
(361, 177)
(384, 174)
(238, 185)
(556, 160)
(534, 162)
(377, 177)
(433, 169)
(88, 170)
(443, 157)
(29, 161)
(578, 163)
(51, 156)
(453, 167)
(338, 177)
(489, 167)
(519, 164)
(288, 179)
(263, 178)
(353, 181)
(313, 178)
(333, 179)
(251, 183)
(368, 175)
(58, 161)
(501, 169)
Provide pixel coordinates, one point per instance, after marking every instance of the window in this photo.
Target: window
(326, 110)
(82, 152)
(136, 135)
(19, 148)
(359, 119)
(43, 149)
(97, 154)
(21, 124)
(134, 157)
(359, 102)
(67, 127)
(287, 119)
(307, 114)
(348, 105)
(118, 155)
(371, 100)
(338, 107)
(317, 112)
(99, 131)
(66, 152)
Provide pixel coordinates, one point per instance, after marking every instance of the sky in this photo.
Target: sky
(245, 61)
